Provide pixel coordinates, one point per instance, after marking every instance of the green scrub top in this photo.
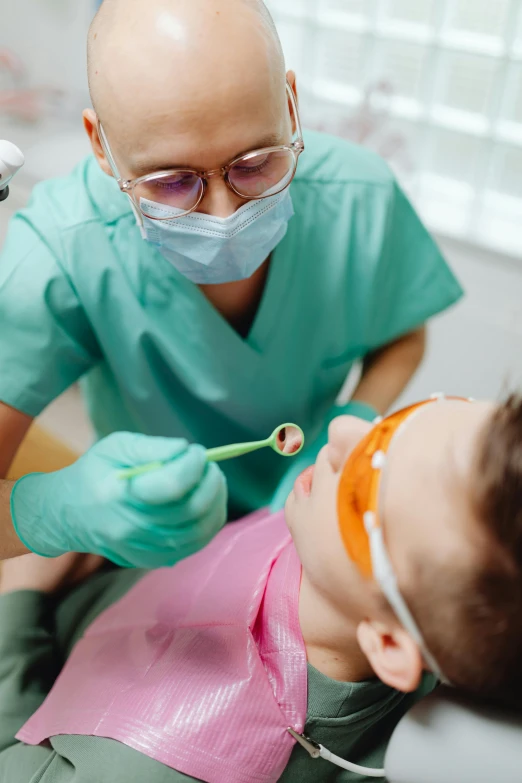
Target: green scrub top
(82, 295)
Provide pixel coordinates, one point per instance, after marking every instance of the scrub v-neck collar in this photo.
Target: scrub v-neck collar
(269, 309)
(114, 206)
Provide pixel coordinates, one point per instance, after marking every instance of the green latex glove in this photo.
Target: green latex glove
(310, 452)
(150, 521)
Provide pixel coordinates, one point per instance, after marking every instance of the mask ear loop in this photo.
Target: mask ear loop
(106, 147)
(387, 580)
(298, 133)
(383, 569)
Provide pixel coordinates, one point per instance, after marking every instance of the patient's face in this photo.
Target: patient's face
(425, 507)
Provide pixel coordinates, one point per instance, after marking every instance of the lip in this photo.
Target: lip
(303, 484)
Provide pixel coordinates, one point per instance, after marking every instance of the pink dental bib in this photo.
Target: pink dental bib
(201, 666)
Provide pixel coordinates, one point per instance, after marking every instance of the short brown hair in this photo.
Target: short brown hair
(481, 610)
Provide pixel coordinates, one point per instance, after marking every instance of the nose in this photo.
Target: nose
(344, 433)
(219, 200)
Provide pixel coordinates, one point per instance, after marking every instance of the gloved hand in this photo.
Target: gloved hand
(149, 521)
(309, 454)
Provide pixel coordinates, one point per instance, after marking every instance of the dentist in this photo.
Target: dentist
(208, 273)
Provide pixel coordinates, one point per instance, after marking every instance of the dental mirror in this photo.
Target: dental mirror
(289, 440)
(286, 440)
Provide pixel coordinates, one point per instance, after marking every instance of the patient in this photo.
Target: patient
(437, 489)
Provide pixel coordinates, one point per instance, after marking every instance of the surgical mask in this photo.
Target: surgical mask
(212, 250)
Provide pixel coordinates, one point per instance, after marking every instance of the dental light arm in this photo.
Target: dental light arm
(11, 161)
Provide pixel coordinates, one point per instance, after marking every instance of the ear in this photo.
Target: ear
(393, 655)
(292, 81)
(90, 123)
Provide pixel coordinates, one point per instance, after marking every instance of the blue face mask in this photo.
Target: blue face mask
(208, 249)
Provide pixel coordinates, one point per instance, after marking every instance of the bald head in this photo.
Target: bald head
(186, 84)
(185, 45)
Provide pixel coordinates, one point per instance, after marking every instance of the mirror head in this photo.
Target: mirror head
(289, 440)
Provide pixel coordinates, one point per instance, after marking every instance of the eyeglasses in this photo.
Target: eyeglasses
(358, 514)
(256, 175)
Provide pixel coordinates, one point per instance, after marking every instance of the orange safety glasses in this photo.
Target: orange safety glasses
(360, 483)
(358, 512)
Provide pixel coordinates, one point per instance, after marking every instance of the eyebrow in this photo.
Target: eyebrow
(142, 169)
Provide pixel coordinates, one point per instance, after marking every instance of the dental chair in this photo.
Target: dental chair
(449, 738)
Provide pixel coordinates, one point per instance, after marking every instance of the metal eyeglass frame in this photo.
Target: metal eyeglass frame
(128, 186)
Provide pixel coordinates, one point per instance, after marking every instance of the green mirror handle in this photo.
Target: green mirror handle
(131, 473)
(221, 453)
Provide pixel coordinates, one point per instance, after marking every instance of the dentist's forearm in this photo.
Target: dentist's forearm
(10, 544)
(388, 371)
(13, 427)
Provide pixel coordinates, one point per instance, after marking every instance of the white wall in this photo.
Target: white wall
(435, 86)
(49, 36)
(476, 348)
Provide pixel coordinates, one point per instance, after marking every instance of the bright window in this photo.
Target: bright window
(435, 86)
